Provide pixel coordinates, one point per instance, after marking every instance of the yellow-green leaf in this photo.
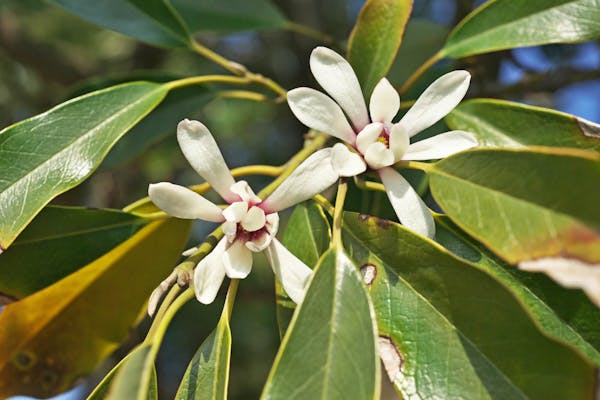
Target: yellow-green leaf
(62, 332)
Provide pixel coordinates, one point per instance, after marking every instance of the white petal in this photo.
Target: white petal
(436, 101)
(237, 260)
(254, 220)
(407, 204)
(230, 230)
(368, 135)
(313, 176)
(570, 273)
(209, 274)
(236, 211)
(440, 146)
(181, 202)
(317, 111)
(203, 154)
(260, 243)
(291, 272)
(338, 79)
(379, 156)
(346, 162)
(245, 192)
(399, 142)
(272, 223)
(384, 103)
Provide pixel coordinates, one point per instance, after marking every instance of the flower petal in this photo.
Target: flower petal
(399, 142)
(379, 156)
(384, 103)
(254, 220)
(346, 162)
(368, 135)
(338, 79)
(318, 111)
(291, 272)
(272, 223)
(181, 202)
(436, 101)
(259, 243)
(236, 211)
(203, 154)
(245, 192)
(313, 176)
(209, 274)
(440, 146)
(407, 204)
(230, 230)
(237, 260)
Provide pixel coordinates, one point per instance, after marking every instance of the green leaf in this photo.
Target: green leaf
(307, 236)
(151, 21)
(447, 329)
(504, 24)
(328, 351)
(48, 154)
(563, 314)
(56, 335)
(376, 38)
(229, 16)
(207, 375)
(60, 241)
(524, 204)
(136, 372)
(504, 123)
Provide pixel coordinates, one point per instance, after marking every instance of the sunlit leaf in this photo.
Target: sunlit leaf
(50, 153)
(504, 24)
(207, 375)
(524, 204)
(560, 313)
(447, 329)
(328, 351)
(59, 241)
(230, 15)
(376, 38)
(151, 21)
(137, 369)
(504, 123)
(62, 332)
(307, 235)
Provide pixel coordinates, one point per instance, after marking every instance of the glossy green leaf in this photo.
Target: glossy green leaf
(563, 314)
(504, 123)
(56, 335)
(375, 39)
(59, 241)
(50, 153)
(307, 235)
(449, 330)
(329, 349)
(207, 375)
(229, 16)
(137, 371)
(524, 204)
(151, 21)
(504, 24)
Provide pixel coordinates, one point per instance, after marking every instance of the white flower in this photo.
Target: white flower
(249, 224)
(376, 141)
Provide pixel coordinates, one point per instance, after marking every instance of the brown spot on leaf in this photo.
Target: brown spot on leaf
(363, 217)
(369, 272)
(391, 357)
(24, 360)
(6, 299)
(588, 128)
